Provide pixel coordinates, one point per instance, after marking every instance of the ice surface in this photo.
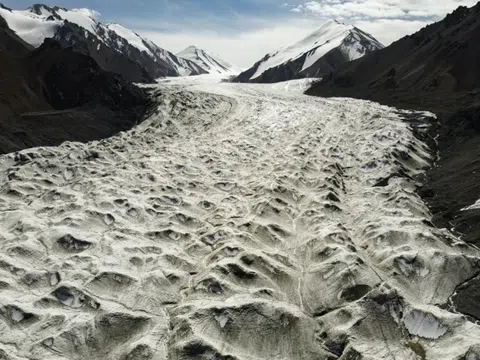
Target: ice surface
(237, 222)
(424, 325)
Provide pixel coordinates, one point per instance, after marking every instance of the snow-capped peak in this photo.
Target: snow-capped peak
(330, 35)
(39, 21)
(33, 24)
(82, 17)
(212, 63)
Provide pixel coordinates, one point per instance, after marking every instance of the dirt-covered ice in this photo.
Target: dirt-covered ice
(239, 222)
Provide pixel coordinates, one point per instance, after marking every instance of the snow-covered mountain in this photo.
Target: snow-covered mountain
(114, 47)
(331, 45)
(212, 63)
(183, 67)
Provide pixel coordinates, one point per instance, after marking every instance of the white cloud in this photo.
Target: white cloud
(367, 8)
(381, 8)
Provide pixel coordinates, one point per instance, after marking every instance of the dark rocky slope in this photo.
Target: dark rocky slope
(53, 94)
(435, 69)
(73, 36)
(116, 54)
(16, 93)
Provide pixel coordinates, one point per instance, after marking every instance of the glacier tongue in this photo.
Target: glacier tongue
(237, 222)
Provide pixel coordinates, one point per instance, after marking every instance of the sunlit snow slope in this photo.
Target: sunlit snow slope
(238, 222)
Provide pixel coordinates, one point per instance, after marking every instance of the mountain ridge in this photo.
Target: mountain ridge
(135, 58)
(212, 63)
(316, 55)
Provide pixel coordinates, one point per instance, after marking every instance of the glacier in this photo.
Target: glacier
(237, 222)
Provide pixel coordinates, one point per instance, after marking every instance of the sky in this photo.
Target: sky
(243, 31)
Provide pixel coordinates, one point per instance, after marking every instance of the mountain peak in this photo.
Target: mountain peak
(348, 42)
(208, 61)
(37, 9)
(190, 48)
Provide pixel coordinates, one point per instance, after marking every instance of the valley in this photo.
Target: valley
(236, 222)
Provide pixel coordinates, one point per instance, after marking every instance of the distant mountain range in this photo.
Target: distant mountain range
(114, 47)
(123, 51)
(327, 48)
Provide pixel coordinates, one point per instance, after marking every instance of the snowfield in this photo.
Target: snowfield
(238, 222)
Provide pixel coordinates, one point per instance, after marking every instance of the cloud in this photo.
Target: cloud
(336, 9)
(381, 9)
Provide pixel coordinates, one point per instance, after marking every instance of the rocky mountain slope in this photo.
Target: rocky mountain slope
(213, 64)
(52, 94)
(15, 95)
(435, 69)
(332, 45)
(114, 47)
